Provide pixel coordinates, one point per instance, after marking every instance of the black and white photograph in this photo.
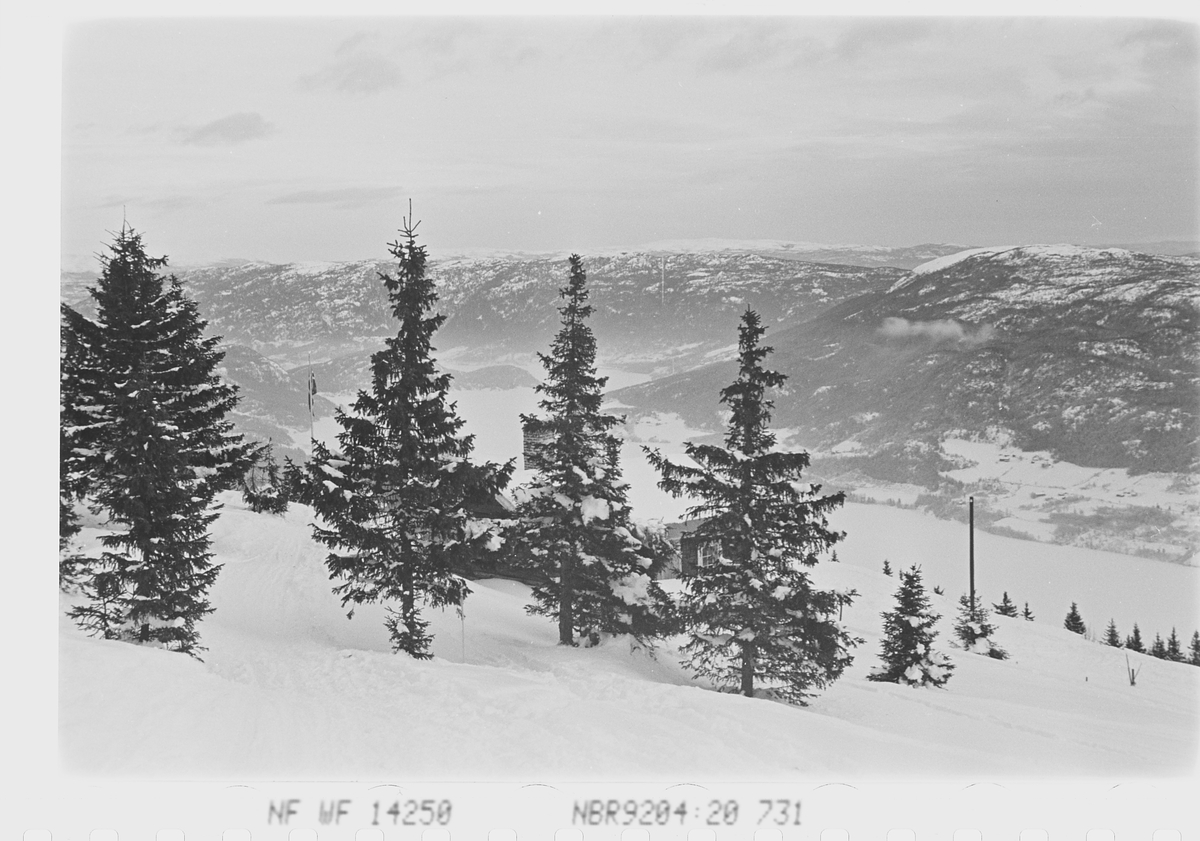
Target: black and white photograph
(628, 397)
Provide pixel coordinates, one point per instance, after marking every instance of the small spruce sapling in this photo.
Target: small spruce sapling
(1027, 614)
(1111, 637)
(1005, 607)
(263, 489)
(974, 631)
(908, 636)
(887, 568)
(1194, 649)
(1134, 641)
(1158, 649)
(1074, 622)
(1174, 650)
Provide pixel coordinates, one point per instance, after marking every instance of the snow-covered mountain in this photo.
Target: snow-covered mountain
(1090, 354)
(652, 310)
(1086, 353)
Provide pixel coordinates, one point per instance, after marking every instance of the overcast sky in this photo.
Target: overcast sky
(292, 140)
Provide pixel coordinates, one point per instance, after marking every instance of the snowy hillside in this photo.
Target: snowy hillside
(291, 688)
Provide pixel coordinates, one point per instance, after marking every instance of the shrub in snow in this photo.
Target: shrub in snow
(145, 443)
(1005, 607)
(395, 500)
(1074, 622)
(594, 566)
(907, 646)
(974, 632)
(1134, 641)
(754, 616)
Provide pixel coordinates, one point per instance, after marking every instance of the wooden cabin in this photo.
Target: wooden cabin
(693, 552)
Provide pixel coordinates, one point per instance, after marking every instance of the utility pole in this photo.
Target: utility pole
(971, 528)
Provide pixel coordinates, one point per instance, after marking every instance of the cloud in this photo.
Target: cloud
(943, 330)
(342, 197)
(361, 73)
(236, 128)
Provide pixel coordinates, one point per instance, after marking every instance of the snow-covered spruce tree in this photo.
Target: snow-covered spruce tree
(973, 630)
(395, 500)
(1194, 649)
(1005, 607)
(754, 616)
(1134, 641)
(72, 480)
(908, 635)
(1111, 637)
(573, 528)
(1074, 622)
(143, 415)
(1158, 649)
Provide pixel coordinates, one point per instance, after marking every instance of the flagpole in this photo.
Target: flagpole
(308, 387)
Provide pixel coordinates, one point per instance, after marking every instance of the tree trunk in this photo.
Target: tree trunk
(748, 669)
(566, 606)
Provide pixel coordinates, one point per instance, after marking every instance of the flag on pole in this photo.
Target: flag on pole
(312, 389)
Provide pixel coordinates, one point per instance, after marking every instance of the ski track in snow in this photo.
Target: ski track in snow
(291, 688)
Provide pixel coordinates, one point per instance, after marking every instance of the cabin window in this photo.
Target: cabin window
(708, 553)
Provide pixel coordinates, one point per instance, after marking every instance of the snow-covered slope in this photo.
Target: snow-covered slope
(291, 688)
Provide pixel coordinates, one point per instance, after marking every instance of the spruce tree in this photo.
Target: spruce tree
(1027, 614)
(1074, 622)
(887, 568)
(146, 440)
(1134, 641)
(1111, 637)
(1005, 607)
(394, 501)
(907, 643)
(1158, 649)
(755, 616)
(974, 631)
(1174, 650)
(263, 486)
(574, 529)
(1194, 649)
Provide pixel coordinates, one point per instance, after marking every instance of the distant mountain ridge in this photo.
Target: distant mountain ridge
(1088, 353)
(657, 311)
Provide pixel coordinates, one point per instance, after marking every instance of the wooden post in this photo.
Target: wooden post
(971, 527)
